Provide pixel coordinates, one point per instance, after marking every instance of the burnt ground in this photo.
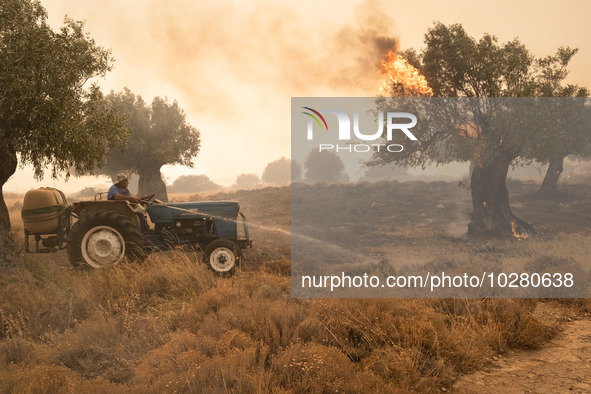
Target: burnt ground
(408, 213)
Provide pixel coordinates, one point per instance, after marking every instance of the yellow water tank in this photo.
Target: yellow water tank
(41, 209)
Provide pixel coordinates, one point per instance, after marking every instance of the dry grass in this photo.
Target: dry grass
(170, 325)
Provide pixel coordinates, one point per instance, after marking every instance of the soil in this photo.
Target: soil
(563, 365)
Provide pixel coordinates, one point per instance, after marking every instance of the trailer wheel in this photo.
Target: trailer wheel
(103, 238)
(222, 256)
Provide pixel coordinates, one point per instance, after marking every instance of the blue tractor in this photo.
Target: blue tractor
(107, 232)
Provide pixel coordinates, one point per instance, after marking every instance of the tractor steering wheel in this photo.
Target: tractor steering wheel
(146, 198)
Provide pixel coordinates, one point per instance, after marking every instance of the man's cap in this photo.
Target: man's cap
(121, 177)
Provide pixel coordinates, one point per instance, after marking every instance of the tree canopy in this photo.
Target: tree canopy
(51, 116)
(324, 167)
(278, 172)
(193, 184)
(491, 133)
(159, 135)
(247, 181)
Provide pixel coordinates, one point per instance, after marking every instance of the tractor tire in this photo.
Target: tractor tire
(103, 238)
(222, 256)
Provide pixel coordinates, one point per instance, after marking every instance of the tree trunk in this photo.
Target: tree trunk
(550, 183)
(8, 163)
(491, 213)
(150, 181)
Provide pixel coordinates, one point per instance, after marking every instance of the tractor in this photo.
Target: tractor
(101, 233)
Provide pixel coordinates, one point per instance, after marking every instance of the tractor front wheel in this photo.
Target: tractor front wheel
(222, 256)
(103, 238)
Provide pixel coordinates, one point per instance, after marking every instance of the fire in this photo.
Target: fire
(516, 234)
(400, 72)
(469, 129)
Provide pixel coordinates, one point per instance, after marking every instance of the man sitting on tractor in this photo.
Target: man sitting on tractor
(119, 191)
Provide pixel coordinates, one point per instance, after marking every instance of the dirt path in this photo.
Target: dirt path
(561, 366)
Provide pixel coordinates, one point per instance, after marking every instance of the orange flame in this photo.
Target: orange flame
(469, 129)
(516, 234)
(401, 73)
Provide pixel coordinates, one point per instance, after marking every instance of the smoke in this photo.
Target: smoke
(234, 65)
(228, 51)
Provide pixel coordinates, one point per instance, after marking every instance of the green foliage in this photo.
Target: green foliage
(159, 135)
(48, 113)
(455, 64)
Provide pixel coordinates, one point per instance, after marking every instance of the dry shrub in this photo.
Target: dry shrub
(96, 349)
(191, 363)
(161, 364)
(409, 369)
(416, 344)
(531, 333)
(317, 368)
(169, 324)
(277, 267)
(163, 276)
(30, 307)
(311, 329)
(274, 323)
(45, 296)
(49, 379)
(260, 307)
(16, 351)
(239, 371)
(578, 305)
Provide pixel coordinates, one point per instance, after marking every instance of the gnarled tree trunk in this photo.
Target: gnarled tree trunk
(550, 183)
(8, 163)
(491, 213)
(150, 181)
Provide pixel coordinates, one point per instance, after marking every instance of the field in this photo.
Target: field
(170, 325)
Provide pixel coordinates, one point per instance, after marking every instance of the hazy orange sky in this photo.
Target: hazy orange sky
(234, 65)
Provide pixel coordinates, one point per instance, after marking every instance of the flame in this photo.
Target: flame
(401, 73)
(469, 129)
(516, 234)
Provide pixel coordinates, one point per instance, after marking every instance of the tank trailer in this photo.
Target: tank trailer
(100, 233)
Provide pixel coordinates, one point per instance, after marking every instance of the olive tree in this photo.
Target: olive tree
(494, 137)
(159, 135)
(51, 117)
(572, 141)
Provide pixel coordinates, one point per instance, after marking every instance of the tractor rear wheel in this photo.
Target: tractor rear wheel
(103, 238)
(222, 256)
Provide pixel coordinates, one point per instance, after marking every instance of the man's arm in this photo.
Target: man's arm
(131, 199)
